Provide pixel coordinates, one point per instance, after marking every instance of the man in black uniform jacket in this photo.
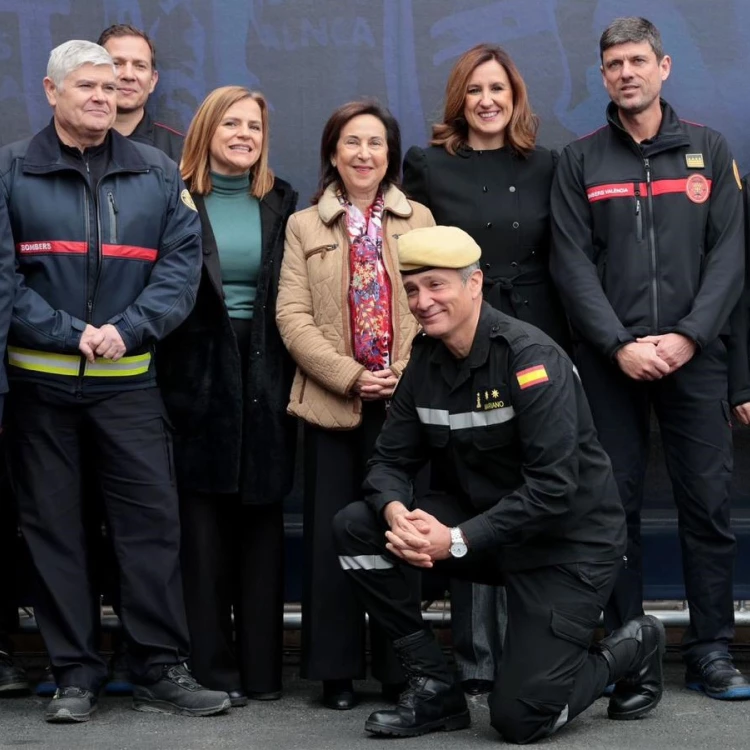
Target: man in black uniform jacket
(648, 257)
(134, 56)
(530, 502)
(107, 250)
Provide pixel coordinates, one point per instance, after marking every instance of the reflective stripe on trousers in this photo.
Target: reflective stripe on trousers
(364, 562)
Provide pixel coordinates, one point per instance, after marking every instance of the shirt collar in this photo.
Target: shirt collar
(457, 370)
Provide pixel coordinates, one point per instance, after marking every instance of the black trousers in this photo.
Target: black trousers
(233, 564)
(694, 419)
(478, 620)
(133, 462)
(9, 557)
(333, 622)
(233, 561)
(547, 673)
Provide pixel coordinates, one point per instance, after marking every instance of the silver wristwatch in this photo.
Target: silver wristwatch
(458, 545)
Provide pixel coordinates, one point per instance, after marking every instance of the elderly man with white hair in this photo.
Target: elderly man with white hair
(108, 256)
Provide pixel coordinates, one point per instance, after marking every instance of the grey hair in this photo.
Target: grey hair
(632, 29)
(70, 56)
(466, 271)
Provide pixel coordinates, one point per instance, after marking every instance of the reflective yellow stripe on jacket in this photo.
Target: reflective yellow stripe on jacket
(70, 364)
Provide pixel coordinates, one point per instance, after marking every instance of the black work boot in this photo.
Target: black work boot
(432, 701)
(12, 677)
(634, 653)
(177, 692)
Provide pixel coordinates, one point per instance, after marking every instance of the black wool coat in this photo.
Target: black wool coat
(503, 201)
(229, 438)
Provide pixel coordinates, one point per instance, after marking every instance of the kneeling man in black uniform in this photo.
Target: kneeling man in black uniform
(530, 502)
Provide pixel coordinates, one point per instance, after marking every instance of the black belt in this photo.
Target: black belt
(508, 284)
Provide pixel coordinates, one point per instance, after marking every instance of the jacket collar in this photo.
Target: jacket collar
(43, 154)
(144, 130)
(272, 209)
(672, 133)
(480, 346)
(456, 372)
(394, 201)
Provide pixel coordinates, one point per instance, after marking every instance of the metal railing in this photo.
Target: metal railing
(438, 614)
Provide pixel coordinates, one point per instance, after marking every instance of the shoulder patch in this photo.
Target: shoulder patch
(187, 199)
(531, 376)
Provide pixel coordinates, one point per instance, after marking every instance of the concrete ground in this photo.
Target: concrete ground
(683, 721)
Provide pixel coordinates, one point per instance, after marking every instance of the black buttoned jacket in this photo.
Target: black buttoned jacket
(501, 199)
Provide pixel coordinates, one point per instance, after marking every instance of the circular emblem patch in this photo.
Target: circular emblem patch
(697, 188)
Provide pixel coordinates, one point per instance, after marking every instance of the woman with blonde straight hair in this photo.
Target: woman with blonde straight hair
(225, 376)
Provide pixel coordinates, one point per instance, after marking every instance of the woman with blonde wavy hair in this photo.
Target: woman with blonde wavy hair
(225, 376)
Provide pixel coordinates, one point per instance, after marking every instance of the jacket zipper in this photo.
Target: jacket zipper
(112, 217)
(98, 245)
(91, 294)
(638, 214)
(322, 250)
(82, 365)
(652, 248)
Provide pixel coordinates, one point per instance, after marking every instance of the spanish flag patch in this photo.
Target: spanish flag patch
(532, 376)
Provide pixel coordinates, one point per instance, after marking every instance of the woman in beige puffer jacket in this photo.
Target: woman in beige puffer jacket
(343, 315)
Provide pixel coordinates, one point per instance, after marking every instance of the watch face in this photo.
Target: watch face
(458, 549)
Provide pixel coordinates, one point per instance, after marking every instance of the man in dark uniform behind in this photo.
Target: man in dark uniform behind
(530, 502)
(134, 56)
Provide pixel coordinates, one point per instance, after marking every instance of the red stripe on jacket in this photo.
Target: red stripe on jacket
(130, 252)
(627, 189)
(63, 247)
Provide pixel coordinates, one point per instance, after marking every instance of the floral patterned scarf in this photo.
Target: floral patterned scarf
(370, 287)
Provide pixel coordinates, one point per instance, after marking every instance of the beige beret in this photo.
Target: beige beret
(436, 247)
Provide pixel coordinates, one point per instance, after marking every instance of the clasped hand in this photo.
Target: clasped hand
(416, 537)
(101, 342)
(371, 386)
(653, 357)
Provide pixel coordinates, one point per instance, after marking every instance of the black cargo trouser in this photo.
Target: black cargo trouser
(547, 673)
(694, 419)
(132, 458)
(9, 558)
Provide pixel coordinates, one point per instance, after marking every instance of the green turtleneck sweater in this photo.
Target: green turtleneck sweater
(235, 220)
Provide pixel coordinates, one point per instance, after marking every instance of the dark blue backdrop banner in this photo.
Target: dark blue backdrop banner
(309, 57)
